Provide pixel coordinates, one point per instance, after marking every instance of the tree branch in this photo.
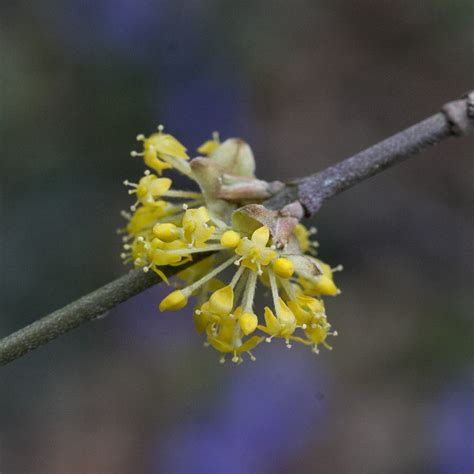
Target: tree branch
(455, 119)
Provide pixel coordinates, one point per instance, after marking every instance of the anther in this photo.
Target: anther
(140, 137)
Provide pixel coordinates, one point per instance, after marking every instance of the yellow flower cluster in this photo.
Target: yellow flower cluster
(168, 227)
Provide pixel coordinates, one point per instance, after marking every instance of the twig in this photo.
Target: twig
(455, 119)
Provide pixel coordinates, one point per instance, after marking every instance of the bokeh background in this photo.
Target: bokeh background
(306, 83)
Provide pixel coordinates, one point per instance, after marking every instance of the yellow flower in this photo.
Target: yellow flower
(165, 145)
(172, 227)
(316, 334)
(254, 251)
(209, 146)
(321, 285)
(167, 232)
(302, 234)
(230, 239)
(282, 325)
(174, 301)
(145, 217)
(151, 159)
(227, 339)
(150, 187)
(162, 151)
(248, 322)
(195, 227)
(283, 267)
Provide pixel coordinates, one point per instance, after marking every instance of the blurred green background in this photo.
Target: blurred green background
(306, 83)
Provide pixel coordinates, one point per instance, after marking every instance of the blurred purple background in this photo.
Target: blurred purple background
(306, 84)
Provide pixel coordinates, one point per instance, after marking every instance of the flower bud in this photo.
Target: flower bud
(248, 323)
(166, 232)
(174, 301)
(230, 239)
(283, 267)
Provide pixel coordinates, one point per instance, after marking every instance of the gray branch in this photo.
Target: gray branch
(455, 119)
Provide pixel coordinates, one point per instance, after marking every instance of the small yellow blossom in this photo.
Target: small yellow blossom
(144, 217)
(165, 145)
(254, 251)
(209, 146)
(196, 228)
(323, 284)
(168, 227)
(282, 325)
